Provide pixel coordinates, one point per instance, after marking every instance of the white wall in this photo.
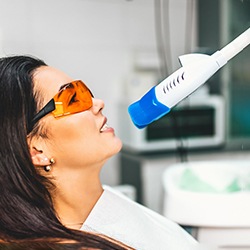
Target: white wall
(92, 40)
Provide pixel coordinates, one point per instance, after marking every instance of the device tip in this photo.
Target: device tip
(147, 110)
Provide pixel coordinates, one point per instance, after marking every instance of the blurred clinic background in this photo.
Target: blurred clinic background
(192, 165)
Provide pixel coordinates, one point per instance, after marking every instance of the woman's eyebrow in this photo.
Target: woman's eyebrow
(63, 86)
(68, 85)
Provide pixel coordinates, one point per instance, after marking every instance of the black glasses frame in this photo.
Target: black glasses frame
(48, 108)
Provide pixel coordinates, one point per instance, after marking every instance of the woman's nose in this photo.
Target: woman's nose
(98, 105)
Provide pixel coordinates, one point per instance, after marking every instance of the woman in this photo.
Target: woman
(54, 142)
(32, 200)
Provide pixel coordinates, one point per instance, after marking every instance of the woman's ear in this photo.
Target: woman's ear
(38, 157)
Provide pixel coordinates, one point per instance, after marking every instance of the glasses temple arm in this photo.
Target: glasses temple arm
(50, 106)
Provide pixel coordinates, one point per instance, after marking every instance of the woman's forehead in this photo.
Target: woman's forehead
(49, 80)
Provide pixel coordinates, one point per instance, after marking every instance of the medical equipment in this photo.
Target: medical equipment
(196, 69)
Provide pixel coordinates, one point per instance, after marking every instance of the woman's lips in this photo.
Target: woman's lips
(105, 127)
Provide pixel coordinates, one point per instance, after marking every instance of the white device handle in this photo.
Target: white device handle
(196, 69)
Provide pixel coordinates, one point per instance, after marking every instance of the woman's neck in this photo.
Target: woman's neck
(76, 195)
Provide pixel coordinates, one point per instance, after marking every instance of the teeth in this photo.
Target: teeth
(105, 126)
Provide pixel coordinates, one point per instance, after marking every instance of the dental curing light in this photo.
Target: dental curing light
(196, 69)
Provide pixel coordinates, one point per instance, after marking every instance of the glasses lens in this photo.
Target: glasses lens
(73, 98)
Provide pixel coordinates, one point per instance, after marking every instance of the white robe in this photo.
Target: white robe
(120, 218)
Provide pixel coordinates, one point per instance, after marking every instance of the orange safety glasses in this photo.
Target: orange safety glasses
(72, 98)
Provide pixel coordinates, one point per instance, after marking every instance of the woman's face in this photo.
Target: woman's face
(77, 139)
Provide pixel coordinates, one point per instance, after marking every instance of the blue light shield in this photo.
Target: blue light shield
(147, 110)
